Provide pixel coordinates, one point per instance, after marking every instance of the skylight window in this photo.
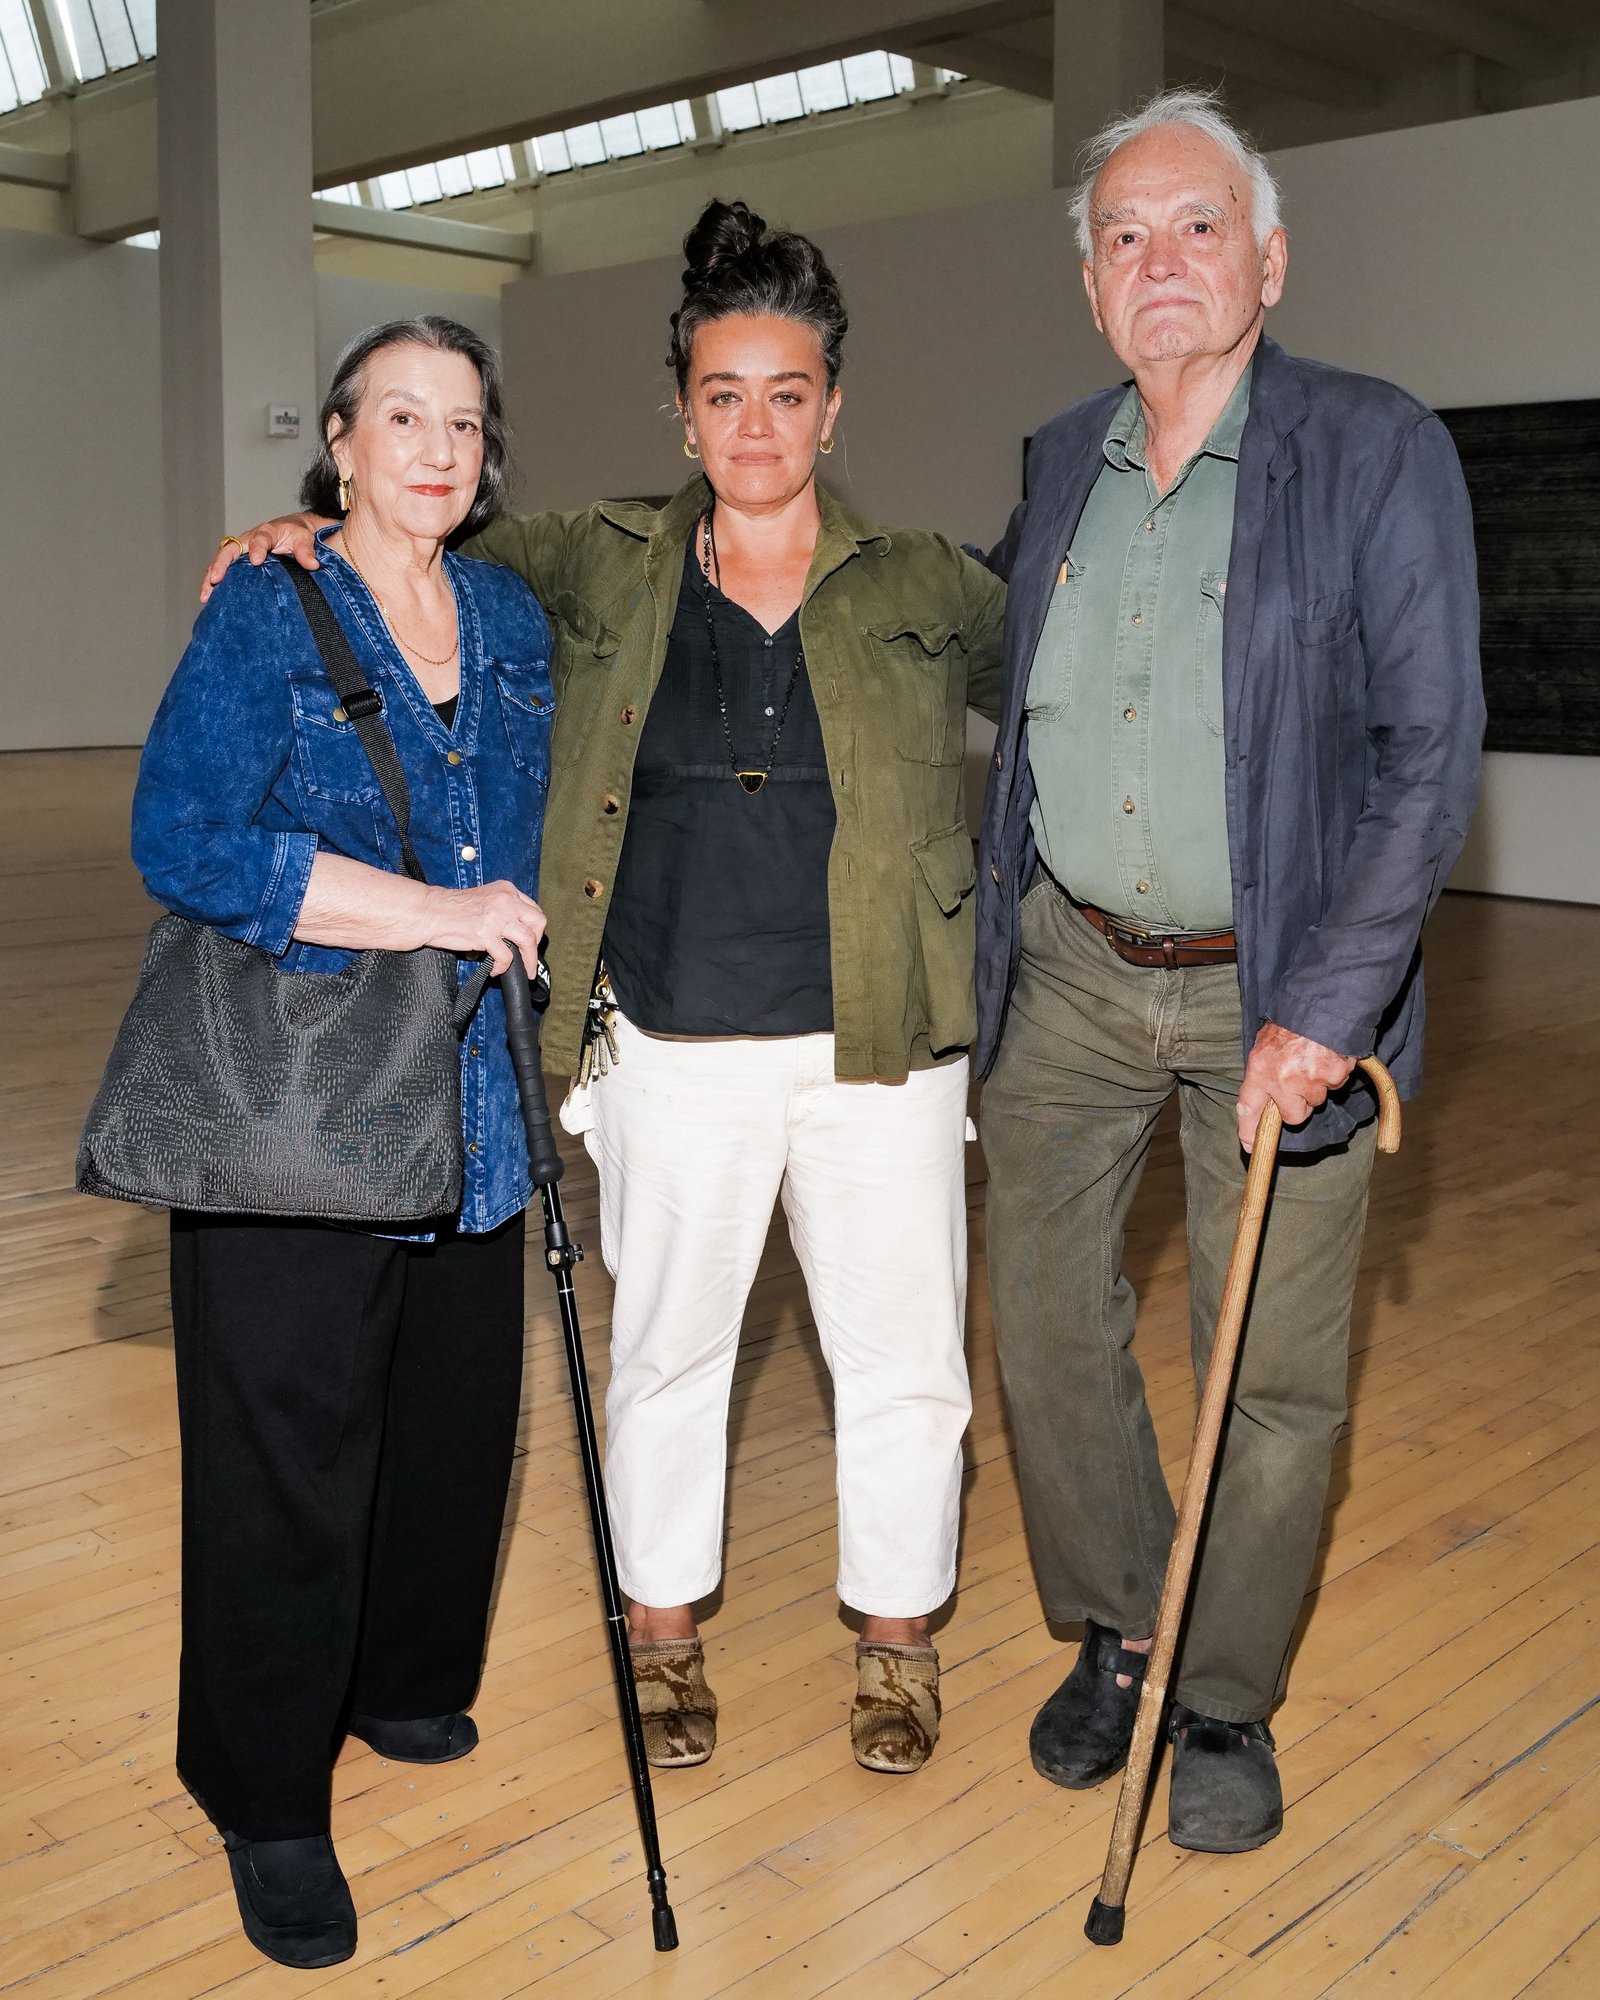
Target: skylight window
(96, 36)
(22, 72)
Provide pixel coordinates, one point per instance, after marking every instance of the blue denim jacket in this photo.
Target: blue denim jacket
(247, 776)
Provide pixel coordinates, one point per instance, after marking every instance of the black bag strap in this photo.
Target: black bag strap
(364, 707)
(362, 704)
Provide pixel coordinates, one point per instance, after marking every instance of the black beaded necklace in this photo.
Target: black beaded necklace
(750, 781)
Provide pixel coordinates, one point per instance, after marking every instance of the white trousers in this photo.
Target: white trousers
(693, 1141)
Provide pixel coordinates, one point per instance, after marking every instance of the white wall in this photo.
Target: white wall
(82, 654)
(1441, 257)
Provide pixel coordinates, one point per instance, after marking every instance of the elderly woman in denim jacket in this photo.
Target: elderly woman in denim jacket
(349, 1400)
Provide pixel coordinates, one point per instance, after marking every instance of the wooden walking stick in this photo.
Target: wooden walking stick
(1106, 1912)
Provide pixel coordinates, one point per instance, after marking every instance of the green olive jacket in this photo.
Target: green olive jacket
(901, 632)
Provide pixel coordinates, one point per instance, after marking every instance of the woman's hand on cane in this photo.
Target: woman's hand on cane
(496, 919)
(352, 904)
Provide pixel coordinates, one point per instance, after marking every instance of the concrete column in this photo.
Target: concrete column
(238, 300)
(1108, 58)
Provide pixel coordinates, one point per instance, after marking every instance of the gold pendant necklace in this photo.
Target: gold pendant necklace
(395, 632)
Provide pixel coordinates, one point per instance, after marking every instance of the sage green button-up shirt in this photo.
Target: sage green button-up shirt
(1125, 693)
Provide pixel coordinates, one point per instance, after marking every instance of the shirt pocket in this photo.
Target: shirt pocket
(333, 764)
(527, 706)
(1050, 680)
(925, 678)
(1208, 649)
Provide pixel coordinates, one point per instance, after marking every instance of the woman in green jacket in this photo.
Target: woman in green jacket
(754, 842)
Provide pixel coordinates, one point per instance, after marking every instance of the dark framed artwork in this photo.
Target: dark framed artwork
(1533, 471)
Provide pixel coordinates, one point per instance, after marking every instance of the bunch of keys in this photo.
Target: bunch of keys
(599, 1050)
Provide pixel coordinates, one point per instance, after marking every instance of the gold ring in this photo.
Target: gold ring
(235, 541)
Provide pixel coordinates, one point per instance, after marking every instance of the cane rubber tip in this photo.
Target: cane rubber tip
(666, 1929)
(1105, 1923)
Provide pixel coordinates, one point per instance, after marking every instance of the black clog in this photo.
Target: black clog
(1226, 1797)
(1081, 1735)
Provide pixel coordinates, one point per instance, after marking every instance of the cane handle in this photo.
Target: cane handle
(1388, 1104)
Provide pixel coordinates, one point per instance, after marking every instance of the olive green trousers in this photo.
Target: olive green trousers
(1093, 1048)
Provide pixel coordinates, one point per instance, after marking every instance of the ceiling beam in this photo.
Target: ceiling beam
(423, 232)
(400, 81)
(27, 166)
(1192, 37)
(993, 61)
(1475, 30)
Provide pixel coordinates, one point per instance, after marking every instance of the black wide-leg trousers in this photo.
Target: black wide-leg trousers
(347, 1408)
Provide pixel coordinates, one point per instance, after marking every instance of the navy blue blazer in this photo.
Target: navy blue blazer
(1352, 708)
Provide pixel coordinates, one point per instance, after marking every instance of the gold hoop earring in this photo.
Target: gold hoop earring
(826, 446)
(344, 494)
(690, 448)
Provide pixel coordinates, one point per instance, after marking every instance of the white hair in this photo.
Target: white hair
(1199, 111)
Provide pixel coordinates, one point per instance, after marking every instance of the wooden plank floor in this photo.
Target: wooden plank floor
(1441, 1745)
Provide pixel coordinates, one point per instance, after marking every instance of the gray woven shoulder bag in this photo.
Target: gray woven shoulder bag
(237, 1088)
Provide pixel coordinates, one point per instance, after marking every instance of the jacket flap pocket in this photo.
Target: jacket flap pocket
(932, 637)
(948, 866)
(579, 617)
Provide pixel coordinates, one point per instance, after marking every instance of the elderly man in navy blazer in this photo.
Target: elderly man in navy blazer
(1237, 758)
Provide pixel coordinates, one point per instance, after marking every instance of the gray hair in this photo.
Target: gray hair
(1200, 111)
(319, 489)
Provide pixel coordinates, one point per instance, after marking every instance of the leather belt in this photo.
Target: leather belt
(1169, 951)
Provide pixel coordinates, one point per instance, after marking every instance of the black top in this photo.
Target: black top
(719, 914)
(446, 710)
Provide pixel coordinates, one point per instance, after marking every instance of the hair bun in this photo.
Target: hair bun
(726, 233)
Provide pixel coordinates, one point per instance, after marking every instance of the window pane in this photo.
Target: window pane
(452, 176)
(658, 127)
(552, 154)
(487, 168)
(779, 98)
(395, 190)
(868, 77)
(823, 88)
(738, 108)
(620, 137)
(683, 112)
(349, 195)
(425, 183)
(585, 145)
(22, 77)
(903, 73)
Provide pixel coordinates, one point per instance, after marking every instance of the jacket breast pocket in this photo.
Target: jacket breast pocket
(1208, 649)
(924, 679)
(527, 705)
(333, 764)
(1050, 677)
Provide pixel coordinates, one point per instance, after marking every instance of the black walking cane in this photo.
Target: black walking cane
(560, 1254)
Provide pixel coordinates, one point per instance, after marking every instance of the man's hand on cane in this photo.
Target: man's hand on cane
(1290, 1071)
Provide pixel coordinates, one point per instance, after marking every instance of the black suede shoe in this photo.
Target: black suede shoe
(293, 1899)
(435, 1739)
(1226, 1797)
(1081, 1735)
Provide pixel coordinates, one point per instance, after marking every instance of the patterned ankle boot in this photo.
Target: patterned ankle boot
(678, 1710)
(894, 1723)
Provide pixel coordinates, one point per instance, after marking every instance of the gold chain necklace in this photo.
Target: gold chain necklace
(383, 613)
